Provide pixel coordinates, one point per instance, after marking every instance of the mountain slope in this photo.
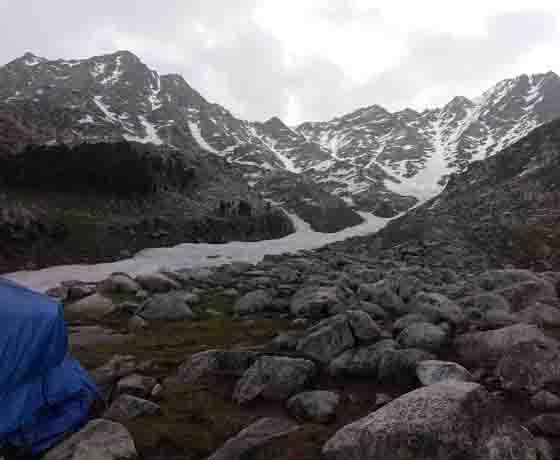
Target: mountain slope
(116, 97)
(372, 159)
(499, 211)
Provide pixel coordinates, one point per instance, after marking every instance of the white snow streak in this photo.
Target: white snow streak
(87, 119)
(155, 101)
(151, 133)
(424, 185)
(195, 131)
(110, 116)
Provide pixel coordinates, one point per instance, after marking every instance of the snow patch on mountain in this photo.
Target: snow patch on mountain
(110, 116)
(197, 135)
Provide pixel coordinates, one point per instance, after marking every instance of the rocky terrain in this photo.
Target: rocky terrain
(371, 159)
(437, 338)
(106, 201)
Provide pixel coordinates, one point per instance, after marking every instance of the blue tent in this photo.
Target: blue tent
(44, 394)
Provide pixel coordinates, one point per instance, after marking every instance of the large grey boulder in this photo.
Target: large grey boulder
(157, 282)
(253, 302)
(314, 301)
(383, 294)
(437, 307)
(216, 363)
(425, 336)
(364, 328)
(119, 283)
(100, 440)
(127, 407)
(172, 306)
(256, 435)
(317, 406)
(361, 362)
(433, 371)
(488, 347)
(93, 307)
(530, 367)
(274, 378)
(327, 339)
(448, 420)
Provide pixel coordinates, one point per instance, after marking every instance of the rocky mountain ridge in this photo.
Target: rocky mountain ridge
(374, 160)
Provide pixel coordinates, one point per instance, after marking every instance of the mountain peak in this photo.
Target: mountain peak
(29, 59)
(126, 55)
(459, 102)
(275, 122)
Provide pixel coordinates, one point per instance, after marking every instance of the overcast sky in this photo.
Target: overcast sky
(302, 59)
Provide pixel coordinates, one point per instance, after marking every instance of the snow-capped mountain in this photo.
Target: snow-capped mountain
(373, 159)
(409, 152)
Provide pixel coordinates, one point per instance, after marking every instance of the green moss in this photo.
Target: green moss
(169, 344)
(195, 419)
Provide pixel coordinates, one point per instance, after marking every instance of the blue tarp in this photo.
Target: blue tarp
(43, 392)
(33, 336)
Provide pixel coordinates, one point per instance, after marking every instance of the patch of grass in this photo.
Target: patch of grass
(169, 344)
(217, 302)
(195, 420)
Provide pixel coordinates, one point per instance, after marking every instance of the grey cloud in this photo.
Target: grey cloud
(223, 53)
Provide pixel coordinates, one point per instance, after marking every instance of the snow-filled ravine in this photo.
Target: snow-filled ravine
(193, 255)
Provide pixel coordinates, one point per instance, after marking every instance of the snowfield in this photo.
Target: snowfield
(196, 255)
